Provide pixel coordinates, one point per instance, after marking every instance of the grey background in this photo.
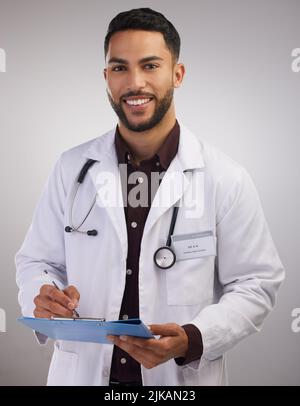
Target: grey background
(239, 93)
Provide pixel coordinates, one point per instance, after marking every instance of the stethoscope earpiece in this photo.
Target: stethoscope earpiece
(92, 232)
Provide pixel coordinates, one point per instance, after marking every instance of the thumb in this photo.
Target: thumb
(169, 329)
(73, 294)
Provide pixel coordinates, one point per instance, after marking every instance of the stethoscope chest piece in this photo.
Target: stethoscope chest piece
(164, 257)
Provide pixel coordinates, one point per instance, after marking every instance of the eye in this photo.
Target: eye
(120, 68)
(117, 68)
(151, 65)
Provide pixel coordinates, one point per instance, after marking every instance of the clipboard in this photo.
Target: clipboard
(86, 329)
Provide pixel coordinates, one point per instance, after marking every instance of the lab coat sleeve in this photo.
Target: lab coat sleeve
(43, 247)
(249, 271)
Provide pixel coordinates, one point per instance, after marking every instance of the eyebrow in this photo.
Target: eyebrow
(143, 60)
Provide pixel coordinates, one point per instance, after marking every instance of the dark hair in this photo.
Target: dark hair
(148, 20)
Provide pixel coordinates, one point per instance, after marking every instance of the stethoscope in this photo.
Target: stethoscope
(71, 228)
(164, 257)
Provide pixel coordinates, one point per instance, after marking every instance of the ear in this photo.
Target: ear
(179, 72)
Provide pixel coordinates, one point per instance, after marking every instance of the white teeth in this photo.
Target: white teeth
(137, 102)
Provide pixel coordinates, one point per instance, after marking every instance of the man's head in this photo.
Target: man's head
(141, 50)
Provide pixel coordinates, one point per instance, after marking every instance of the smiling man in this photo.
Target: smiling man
(190, 254)
(141, 75)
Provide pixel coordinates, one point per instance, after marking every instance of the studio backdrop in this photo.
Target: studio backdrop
(240, 93)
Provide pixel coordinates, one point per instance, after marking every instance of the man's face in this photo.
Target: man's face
(140, 78)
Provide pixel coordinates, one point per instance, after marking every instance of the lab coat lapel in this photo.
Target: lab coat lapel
(176, 181)
(171, 189)
(106, 179)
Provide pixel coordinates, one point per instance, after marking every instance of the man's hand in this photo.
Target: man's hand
(173, 343)
(53, 302)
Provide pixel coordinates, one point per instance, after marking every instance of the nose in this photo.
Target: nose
(136, 80)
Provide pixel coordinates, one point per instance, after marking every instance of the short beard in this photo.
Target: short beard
(159, 113)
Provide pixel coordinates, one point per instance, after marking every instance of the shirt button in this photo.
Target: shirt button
(125, 317)
(157, 163)
(123, 361)
(128, 157)
(129, 272)
(140, 179)
(133, 224)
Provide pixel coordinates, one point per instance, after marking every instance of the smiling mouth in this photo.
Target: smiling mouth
(138, 104)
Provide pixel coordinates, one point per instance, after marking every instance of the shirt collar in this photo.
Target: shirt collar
(165, 153)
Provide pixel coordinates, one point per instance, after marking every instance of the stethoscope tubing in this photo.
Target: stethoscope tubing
(164, 257)
(77, 183)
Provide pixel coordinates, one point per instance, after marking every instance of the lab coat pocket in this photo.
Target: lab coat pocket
(209, 373)
(62, 368)
(191, 282)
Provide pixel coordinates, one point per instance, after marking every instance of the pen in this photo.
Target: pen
(55, 285)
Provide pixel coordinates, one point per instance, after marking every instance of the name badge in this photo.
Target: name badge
(196, 245)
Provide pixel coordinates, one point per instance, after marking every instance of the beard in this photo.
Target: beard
(161, 108)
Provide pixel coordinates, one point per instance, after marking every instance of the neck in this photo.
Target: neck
(146, 143)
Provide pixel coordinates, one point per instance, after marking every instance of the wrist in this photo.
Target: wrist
(184, 344)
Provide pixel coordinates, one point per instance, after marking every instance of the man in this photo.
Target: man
(223, 281)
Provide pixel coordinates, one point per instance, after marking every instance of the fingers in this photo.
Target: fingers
(53, 302)
(74, 295)
(47, 305)
(146, 343)
(55, 295)
(147, 357)
(168, 329)
(164, 330)
(136, 346)
(152, 352)
(42, 313)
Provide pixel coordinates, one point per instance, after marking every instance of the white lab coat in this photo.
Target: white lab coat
(226, 296)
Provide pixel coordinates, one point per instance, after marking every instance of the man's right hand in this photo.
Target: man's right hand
(52, 302)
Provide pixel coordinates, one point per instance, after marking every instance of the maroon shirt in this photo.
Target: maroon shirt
(124, 368)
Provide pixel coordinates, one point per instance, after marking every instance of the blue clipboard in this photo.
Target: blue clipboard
(85, 329)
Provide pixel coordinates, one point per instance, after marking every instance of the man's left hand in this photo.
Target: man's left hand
(173, 343)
